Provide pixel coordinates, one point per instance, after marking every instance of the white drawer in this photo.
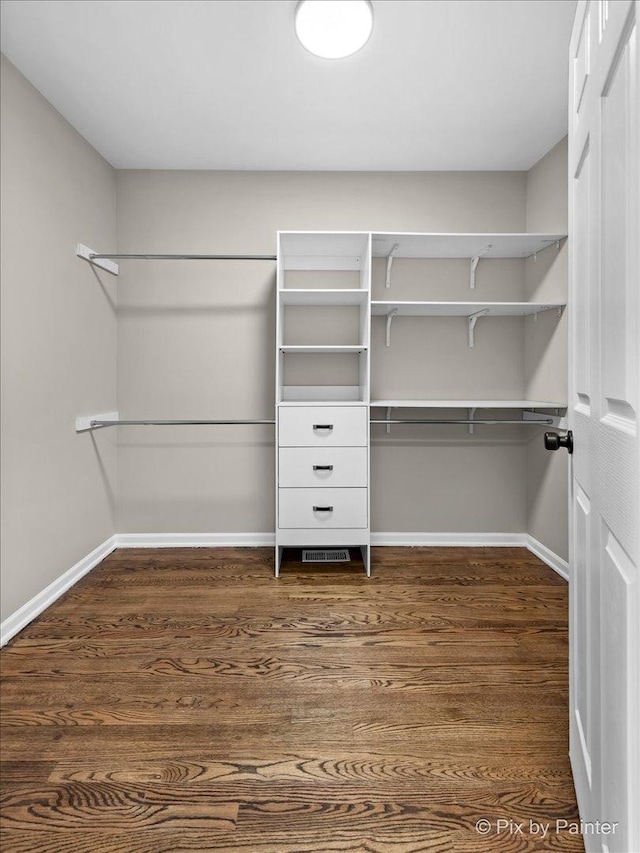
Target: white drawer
(322, 508)
(306, 467)
(323, 426)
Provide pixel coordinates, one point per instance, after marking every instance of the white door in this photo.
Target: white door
(604, 195)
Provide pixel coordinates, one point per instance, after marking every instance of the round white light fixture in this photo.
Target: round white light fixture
(334, 29)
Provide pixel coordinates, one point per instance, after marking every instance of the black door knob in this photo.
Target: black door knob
(553, 441)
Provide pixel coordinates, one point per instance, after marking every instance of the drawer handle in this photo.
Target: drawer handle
(323, 426)
(323, 509)
(323, 467)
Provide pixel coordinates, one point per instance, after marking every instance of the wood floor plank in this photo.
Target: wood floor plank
(183, 699)
(483, 641)
(309, 665)
(350, 768)
(48, 705)
(509, 799)
(153, 742)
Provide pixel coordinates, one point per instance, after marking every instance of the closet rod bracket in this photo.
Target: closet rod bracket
(390, 317)
(97, 260)
(394, 251)
(474, 265)
(473, 319)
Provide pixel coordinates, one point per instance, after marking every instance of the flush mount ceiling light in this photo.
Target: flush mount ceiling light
(334, 29)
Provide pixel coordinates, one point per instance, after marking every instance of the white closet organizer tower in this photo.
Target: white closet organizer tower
(323, 334)
(322, 430)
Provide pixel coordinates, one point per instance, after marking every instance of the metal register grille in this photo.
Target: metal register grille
(326, 556)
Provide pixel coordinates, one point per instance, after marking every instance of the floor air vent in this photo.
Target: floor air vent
(333, 556)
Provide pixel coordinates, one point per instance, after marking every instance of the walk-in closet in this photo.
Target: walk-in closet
(320, 459)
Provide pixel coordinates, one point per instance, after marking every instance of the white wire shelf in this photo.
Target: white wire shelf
(462, 245)
(467, 404)
(461, 309)
(472, 311)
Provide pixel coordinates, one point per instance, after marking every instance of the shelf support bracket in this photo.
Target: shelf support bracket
(473, 319)
(472, 414)
(390, 317)
(394, 251)
(389, 419)
(474, 266)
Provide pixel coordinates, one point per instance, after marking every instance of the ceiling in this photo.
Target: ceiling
(224, 84)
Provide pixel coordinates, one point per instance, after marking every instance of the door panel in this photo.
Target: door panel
(582, 268)
(619, 286)
(618, 578)
(583, 627)
(605, 395)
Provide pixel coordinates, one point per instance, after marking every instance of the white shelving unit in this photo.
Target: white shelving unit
(322, 431)
(474, 247)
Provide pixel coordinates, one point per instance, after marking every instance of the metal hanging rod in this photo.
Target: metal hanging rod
(94, 256)
(99, 424)
(458, 421)
(106, 260)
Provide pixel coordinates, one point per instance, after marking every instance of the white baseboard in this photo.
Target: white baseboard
(450, 540)
(434, 540)
(195, 540)
(475, 540)
(548, 556)
(28, 612)
(18, 620)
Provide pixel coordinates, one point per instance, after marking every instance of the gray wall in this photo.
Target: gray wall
(546, 348)
(197, 340)
(58, 344)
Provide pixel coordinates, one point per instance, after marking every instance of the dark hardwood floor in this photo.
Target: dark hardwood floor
(183, 699)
